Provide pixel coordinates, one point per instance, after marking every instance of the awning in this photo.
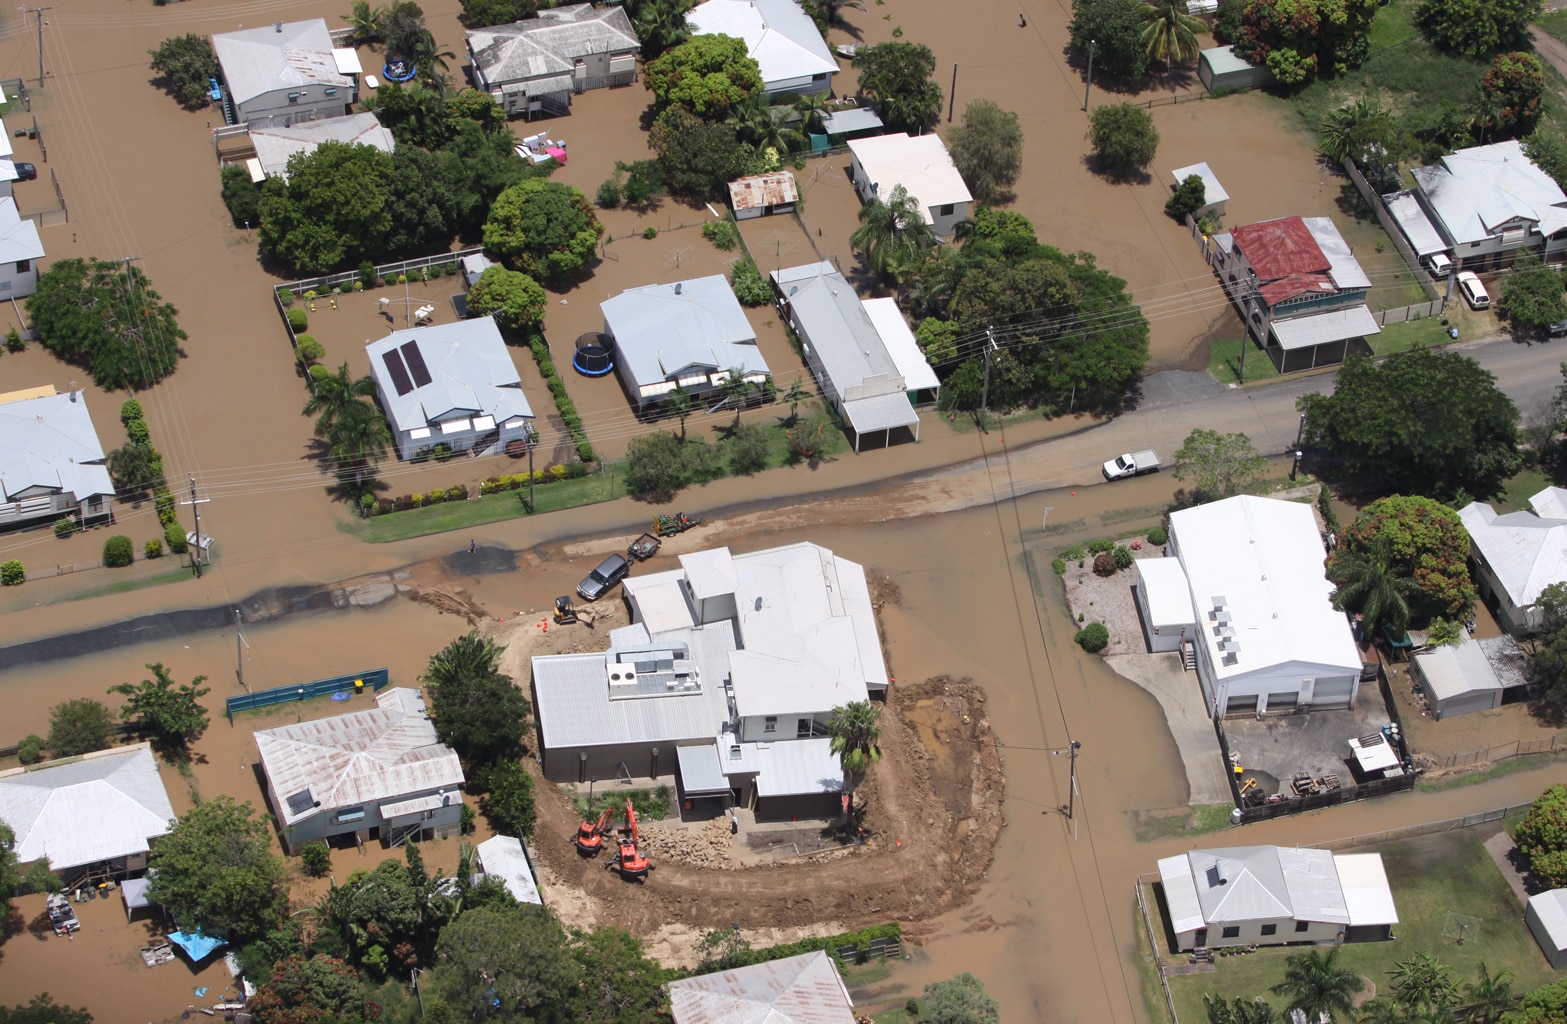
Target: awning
(134, 892)
(880, 412)
(196, 945)
(1324, 328)
(700, 772)
(539, 86)
(417, 805)
(347, 60)
(1416, 226)
(860, 119)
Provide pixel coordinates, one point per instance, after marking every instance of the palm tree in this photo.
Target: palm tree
(1345, 131)
(794, 396)
(1382, 1011)
(893, 235)
(678, 403)
(855, 739)
(1315, 983)
(763, 127)
(1368, 582)
(737, 390)
(1424, 985)
(1490, 996)
(813, 112)
(661, 25)
(432, 61)
(1169, 32)
(358, 440)
(366, 21)
(333, 394)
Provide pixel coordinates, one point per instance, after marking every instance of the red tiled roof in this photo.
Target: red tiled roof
(1277, 291)
(1278, 248)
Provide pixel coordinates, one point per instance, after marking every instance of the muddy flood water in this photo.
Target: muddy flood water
(1051, 931)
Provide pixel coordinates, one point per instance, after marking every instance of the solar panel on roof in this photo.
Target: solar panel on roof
(399, 372)
(415, 358)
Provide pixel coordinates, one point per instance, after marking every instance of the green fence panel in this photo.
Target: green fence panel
(375, 679)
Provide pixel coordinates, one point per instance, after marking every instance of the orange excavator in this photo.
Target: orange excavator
(590, 837)
(628, 860)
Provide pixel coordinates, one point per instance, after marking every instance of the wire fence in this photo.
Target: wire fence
(1501, 752)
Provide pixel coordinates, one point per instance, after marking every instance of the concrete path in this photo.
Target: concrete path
(1180, 695)
(1500, 847)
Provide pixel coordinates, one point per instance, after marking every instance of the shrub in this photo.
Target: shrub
(1104, 564)
(12, 573)
(286, 297)
(608, 195)
(298, 320)
(130, 409)
(316, 857)
(367, 274)
(416, 500)
(722, 233)
(1074, 553)
(163, 500)
(436, 497)
(442, 451)
(1157, 537)
(138, 431)
(359, 286)
(30, 751)
(64, 527)
(1058, 566)
(1093, 637)
(318, 372)
(650, 232)
(402, 278)
(310, 350)
(458, 493)
(1096, 546)
(750, 287)
(174, 535)
(558, 472)
(153, 548)
(14, 342)
(1123, 556)
(118, 551)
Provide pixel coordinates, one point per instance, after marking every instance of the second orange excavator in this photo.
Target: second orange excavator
(590, 837)
(628, 859)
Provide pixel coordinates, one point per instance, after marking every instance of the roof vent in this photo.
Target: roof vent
(278, 26)
(677, 287)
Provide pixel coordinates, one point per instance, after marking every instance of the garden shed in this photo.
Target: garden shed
(1164, 603)
(1219, 68)
(1547, 917)
(1214, 196)
(1456, 679)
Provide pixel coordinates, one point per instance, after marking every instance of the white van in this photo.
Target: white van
(1439, 265)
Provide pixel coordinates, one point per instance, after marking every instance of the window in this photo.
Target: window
(351, 814)
(1270, 929)
(1232, 931)
(946, 211)
(23, 266)
(818, 78)
(1301, 926)
(331, 90)
(293, 97)
(802, 729)
(770, 723)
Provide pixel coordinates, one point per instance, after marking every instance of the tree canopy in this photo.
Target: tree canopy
(897, 77)
(709, 75)
(543, 228)
(619, 983)
(893, 235)
(1169, 32)
(42, 1009)
(1218, 465)
(959, 1000)
(515, 298)
(332, 210)
(105, 317)
(311, 990)
(987, 149)
(698, 157)
(1477, 28)
(510, 965)
(1114, 27)
(80, 726)
(478, 712)
(1123, 137)
(1381, 422)
(1542, 835)
(1513, 86)
(479, 13)
(217, 871)
(170, 713)
(1533, 296)
(1427, 544)
(187, 64)
(1300, 39)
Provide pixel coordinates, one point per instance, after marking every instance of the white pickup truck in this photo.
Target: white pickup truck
(1132, 464)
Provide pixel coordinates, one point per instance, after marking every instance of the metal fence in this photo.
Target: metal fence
(324, 285)
(15, 88)
(1517, 748)
(376, 679)
(1403, 314)
(1159, 962)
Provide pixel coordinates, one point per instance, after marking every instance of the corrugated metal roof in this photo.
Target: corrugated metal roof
(1167, 592)
(700, 769)
(661, 330)
(826, 309)
(256, 61)
(901, 344)
(275, 144)
(503, 857)
(471, 373)
(880, 412)
(1551, 909)
(1453, 670)
(1476, 192)
(1223, 61)
(1279, 248)
(1312, 882)
(1180, 894)
(1343, 268)
(50, 443)
(763, 190)
(1242, 883)
(798, 768)
(921, 164)
(78, 811)
(778, 34)
(1299, 332)
(1412, 220)
(364, 757)
(551, 43)
(859, 119)
(1367, 895)
(804, 989)
(1527, 550)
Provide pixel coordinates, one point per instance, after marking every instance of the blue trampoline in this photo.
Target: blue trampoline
(593, 355)
(399, 70)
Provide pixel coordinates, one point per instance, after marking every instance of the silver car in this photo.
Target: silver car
(603, 578)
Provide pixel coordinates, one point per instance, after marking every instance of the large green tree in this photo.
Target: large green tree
(508, 798)
(425, 200)
(618, 984)
(403, 27)
(1427, 545)
(1300, 39)
(697, 157)
(1548, 667)
(1542, 834)
(1114, 28)
(216, 871)
(80, 726)
(1315, 982)
(480, 165)
(135, 469)
(1513, 87)
(959, 1000)
(478, 711)
(168, 712)
(479, 13)
(1533, 296)
(897, 77)
(1123, 137)
(187, 64)
(104, 316)
(332, 210)
(313, 990)
(1218, 465)
(709, 75)
(1477, 28)
(415, 115)
(509, 965)
(1381, 422)
(655, 465)
(987, 148)
(543, 228)
(513, 297)
(893, 235)
(42, 1009)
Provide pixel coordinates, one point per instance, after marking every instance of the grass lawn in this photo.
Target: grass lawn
(1432, 877)
(1224, 362)
(1204, 818)
(1519, 489)
(1554, 23)
(121, 586)
(1427, 332)
(1525, 763)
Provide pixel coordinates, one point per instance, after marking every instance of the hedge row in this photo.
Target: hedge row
(860, 940)
(163, 498)
(563, 402)
(404, 502)
(549, 475)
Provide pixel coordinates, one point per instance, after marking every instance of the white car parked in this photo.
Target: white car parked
(1474, 292)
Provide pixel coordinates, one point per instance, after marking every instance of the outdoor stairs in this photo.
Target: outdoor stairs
(402, 835)
(1188, 656)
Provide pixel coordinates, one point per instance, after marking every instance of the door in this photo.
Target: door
(1331, 694)
(1238, 705)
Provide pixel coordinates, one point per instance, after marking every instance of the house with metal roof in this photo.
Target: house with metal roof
(275, 144)
(1214, 196)
(762, 195)
(783, 40)
(536, 64)
(285, 73)
(20, 251)
(857, 371)
(922, 166)
(378, 773)
(453, 384)
(1273, 896)
(1219, 68)
(51, 462)
(1164, 603)
(505, 858)
(98, 813)
(1491, 202)
(727, 677)
(689, 334)
(1518, 555)
(1299, 289)
(1459, 679)
(1268, 638)
(804, 989)
(1546, 915)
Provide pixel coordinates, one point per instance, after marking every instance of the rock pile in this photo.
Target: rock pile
(709, 846)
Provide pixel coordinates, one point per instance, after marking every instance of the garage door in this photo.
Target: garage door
(1468, 703)
(1241, 706)
(1331, 694)
(1283, 703)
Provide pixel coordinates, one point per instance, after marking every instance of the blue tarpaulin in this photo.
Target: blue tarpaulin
(196, 945)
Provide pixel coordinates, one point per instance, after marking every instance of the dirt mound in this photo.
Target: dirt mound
(933, 811)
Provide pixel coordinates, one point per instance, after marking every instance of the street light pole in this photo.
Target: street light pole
(1071, 796)
(1089, 81)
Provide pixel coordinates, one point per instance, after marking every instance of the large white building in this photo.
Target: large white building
(919, 163)
(783, 40)
(285, 73)
(51, 462)
(1490, 202)
(729, 673)
(1273, 895)
(1266, 636)
(1518, 555)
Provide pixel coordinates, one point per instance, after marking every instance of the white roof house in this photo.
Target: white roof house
(1266, 623)
(792, 632)
(286, 69)
(366, 768)
(51, 461)
(1272, 895)
(561, 50)
(902, 346)
(782, 39)
(19, 244)
(1520, 553)
(689, 334)
(453, 383)
(919, 163)
(503, 857)
(1491, 197)
(804, 989)
(1164, 603)
(1422, 235)
(1457, 678)
(1546, 915)
(276, 143)
(103, 806)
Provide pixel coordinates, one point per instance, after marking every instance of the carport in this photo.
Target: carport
(1306, 342)
(881, 413)
(704, 788)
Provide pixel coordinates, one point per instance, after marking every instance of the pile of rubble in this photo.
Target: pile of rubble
(709, 846)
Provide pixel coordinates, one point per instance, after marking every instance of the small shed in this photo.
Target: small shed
(503, 857)
(856, 122)
(1214, 196)
(763, 195)
(1219, 68)
(1547, 917)
(1457, 679)
(1164, 603)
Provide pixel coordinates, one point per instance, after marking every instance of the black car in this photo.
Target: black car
(26, 172)
(603, 579)
(1558, 329)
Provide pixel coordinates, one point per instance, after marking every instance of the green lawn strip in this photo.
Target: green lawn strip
(1519, 489)
(1147, 973)
(1554, 23)
(1497, 769)
(1224, 362)
(1432, 877)
(124, 585)
(1202, 819)
(491, 508)
(1427, 332)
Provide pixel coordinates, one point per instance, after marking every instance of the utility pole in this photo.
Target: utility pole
(532, 439)
(39, 11)
(952, 97)
(196, 508)
(1071, 796)
(239, 655)
(984, 398)
(1089, 81)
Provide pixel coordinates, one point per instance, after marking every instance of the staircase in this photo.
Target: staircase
(1188, 656)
